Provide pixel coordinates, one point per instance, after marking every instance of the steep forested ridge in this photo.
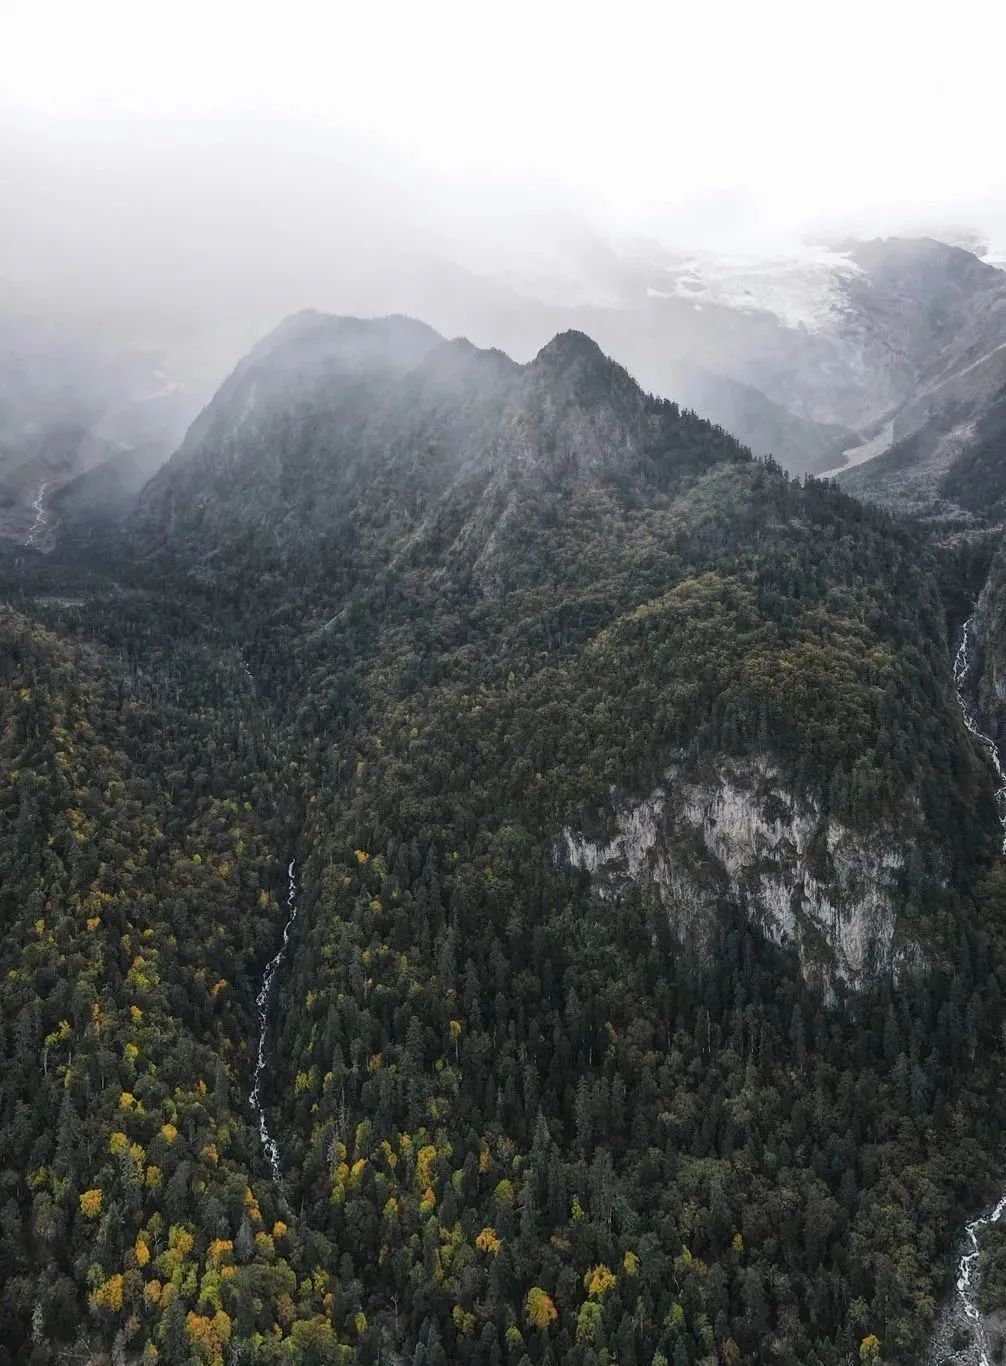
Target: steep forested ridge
(409, 610)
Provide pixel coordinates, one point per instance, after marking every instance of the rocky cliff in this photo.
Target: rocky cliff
(806, 879)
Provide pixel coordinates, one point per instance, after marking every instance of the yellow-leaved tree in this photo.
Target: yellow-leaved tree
(90, 1204)
(489, 1241)
(540, 1308)
(598, 1281)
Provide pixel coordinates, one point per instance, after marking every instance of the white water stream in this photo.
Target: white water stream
(41, 518)
(962, 667)
(262, 1000)
(967, 1287)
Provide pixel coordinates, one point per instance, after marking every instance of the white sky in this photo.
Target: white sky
(779, 111)
(227, 161)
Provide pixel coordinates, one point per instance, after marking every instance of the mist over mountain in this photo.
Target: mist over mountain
(183, 239)
(821, 360)
(601, 758)
(502, 676)
(73, 396)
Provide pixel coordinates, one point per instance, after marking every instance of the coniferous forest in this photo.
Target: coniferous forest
(404, 612)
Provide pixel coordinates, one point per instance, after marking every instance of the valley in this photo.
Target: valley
(502, 685)
(637, 986)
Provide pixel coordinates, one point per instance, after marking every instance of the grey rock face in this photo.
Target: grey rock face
(804, 879)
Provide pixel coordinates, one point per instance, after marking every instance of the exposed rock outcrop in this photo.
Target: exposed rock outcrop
(804, 878)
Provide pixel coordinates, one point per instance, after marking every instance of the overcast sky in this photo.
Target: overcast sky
(180, 145)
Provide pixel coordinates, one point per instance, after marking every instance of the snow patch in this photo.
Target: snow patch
(803, 290)
(869, 450)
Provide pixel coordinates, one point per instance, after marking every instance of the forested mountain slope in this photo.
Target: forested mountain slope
(949, 471)
(438, 624)
(89, 508)
(139, 884)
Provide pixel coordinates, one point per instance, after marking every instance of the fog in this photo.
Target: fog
(178, 176)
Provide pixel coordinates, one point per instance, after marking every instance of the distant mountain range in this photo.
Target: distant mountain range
(881, 363)
(892, 353)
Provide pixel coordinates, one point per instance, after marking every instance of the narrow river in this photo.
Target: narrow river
(263, 1001)
(41, 518)
(967, 1267)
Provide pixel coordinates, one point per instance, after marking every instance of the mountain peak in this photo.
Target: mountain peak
(311, 336)
(572, 369)
(573, 366)
(457, 360)
(569, 348)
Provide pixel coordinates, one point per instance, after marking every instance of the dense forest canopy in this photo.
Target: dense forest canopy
(404, 611)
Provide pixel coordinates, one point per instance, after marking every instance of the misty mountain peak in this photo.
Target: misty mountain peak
(574, 370)
(327, 409)
(459, 361)
(570, 348)
(394, 341)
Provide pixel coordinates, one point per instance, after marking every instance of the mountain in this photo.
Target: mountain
(384, 455)
(841, 334)
(68, 403)
(900, 341)
(768, 428)
(808, 355)
(932, 451)
(867, 342)
(550, 828)
(94, 503)
(383, 435)
(947, 468)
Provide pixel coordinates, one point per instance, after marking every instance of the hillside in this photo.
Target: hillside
(90, 507)
(934, 454)
(644, 996)
(949, 470)
(72, 398)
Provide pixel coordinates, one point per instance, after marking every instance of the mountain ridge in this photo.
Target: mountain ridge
(495, 421)
(630, 801)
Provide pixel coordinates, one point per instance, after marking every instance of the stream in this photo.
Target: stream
(962, 668)
(263, 1001)
(967, 1280)
(41, 519)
